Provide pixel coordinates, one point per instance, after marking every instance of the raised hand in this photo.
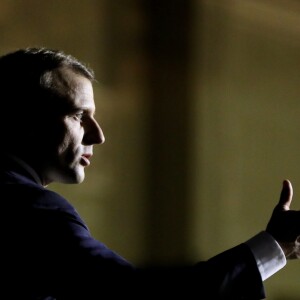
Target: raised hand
(284, 224)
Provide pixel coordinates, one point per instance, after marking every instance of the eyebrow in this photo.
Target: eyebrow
(85, 109)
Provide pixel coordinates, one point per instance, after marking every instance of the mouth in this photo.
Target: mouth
(85, 159)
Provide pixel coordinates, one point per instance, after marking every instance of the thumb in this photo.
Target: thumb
(286, 196)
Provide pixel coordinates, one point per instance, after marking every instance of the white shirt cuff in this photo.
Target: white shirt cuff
(268, 254)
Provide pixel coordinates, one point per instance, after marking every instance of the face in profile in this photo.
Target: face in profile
(71, 131)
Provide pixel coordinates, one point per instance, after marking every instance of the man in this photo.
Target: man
(47, 251)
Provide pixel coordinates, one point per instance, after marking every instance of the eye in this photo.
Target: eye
(78, 116)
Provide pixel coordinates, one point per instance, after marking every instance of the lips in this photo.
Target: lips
(85, 159)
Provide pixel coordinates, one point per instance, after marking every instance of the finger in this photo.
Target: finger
(286, 196)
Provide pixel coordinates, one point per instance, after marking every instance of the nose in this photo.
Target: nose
(93, 134)
(99, 137)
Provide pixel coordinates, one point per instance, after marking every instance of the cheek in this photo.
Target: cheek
(64, 139)
(65, 144)
(69, 144)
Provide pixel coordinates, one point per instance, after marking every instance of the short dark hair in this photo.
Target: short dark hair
(22, 73)
(37, 61)
(24, 82)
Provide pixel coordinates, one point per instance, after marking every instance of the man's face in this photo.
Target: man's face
(70, 134)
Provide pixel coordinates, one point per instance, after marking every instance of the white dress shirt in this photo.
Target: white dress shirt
(268, 254)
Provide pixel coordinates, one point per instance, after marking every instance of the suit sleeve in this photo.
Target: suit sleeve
(93, 269)
(49, 253)
(234, 274)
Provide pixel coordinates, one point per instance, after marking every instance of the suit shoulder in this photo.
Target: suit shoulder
(35, 196)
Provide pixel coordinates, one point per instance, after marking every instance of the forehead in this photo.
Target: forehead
(72, 88)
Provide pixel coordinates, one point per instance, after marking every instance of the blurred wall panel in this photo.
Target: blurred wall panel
(146, 118)
(74, 26)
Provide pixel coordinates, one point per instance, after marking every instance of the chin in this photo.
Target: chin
(78, 178)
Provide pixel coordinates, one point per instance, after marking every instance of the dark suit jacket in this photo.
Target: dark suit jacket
(47, 252)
